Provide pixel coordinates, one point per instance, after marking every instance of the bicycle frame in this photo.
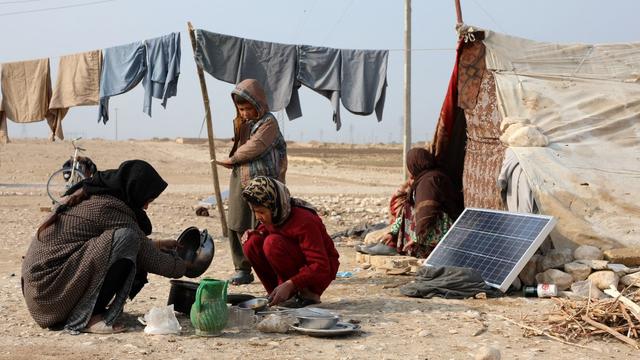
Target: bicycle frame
(74, 165)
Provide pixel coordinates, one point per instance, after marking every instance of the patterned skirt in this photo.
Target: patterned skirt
(422, 246)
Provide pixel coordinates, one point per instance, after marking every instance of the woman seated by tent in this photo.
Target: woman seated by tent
(429, 210)
(290, 250)
(92, 252)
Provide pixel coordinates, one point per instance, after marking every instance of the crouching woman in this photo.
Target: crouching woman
(290, 250)
(93, 251)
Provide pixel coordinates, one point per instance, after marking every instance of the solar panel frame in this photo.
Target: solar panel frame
(500, 267)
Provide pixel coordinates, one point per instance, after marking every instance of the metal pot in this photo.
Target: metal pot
(183, 294)
(197, 250)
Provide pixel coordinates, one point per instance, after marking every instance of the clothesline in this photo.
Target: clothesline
(50, 8)
(426, 49)
(104, 47)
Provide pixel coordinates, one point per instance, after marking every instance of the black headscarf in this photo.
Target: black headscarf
(135, 182)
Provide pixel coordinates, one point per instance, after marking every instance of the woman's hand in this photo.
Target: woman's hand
(166, 245)
(226, 163)
(387, 239)
(247, 234)
(282, 292)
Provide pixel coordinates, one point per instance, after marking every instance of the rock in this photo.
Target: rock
(619, 269)
(595, 264)
(587, 289)
(578, 271)
(631, 280)
(604, 279)
(556, 258)
(628, 256)
(528, 274)
(374, 237)
(481, 296)
(554, 276)
(587, 252)
(487, 353)
(424, 333)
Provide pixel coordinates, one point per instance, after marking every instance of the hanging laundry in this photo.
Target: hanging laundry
(163, 69)
(78, 84)
(356, 77)
(233, 59)
(123, 68)
(26, 89)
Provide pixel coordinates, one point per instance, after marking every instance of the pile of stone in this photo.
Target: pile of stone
(585, 271)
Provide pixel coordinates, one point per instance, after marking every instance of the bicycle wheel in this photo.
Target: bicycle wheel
(60, 181)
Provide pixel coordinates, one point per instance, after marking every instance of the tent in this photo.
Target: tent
(576, 111)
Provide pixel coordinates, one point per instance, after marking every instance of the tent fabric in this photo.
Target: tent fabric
(78, 83)
(466, 140)
(514, 186)
(484, 152)
(586, 100)
(450, 136)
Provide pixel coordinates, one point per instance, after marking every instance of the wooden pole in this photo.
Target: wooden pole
(458, 12)
(212, 146)
(407, 87)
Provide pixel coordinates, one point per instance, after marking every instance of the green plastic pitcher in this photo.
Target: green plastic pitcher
(209, 312)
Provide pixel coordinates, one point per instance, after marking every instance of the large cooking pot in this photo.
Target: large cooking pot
(196, 248)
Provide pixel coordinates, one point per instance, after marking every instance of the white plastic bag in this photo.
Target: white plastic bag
(161, 321)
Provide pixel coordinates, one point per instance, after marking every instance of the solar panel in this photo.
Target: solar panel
(497, 244)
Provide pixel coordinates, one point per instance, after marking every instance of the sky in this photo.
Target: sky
(33, 29)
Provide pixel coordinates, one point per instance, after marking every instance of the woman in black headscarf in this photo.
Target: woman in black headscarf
(93, 251)
(429, 210)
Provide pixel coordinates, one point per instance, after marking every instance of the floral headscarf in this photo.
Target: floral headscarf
(274, 195)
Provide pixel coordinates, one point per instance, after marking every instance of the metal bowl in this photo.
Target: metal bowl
(318, 322)
(256, 304)
(196, 249)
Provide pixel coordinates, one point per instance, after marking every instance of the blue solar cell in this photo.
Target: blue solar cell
(497, 244)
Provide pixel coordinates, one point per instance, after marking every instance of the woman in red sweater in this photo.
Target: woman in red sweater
(290, 250)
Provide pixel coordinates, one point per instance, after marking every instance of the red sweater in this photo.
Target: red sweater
(321, 255)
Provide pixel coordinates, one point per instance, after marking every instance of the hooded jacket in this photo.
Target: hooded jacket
(258, 148)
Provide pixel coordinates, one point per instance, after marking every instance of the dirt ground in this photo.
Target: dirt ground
(351, 186)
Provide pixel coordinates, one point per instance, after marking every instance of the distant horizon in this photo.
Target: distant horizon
(205, 139)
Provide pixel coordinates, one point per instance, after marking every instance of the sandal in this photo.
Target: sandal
(380, 249)
(101, 327)
(241, 277)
